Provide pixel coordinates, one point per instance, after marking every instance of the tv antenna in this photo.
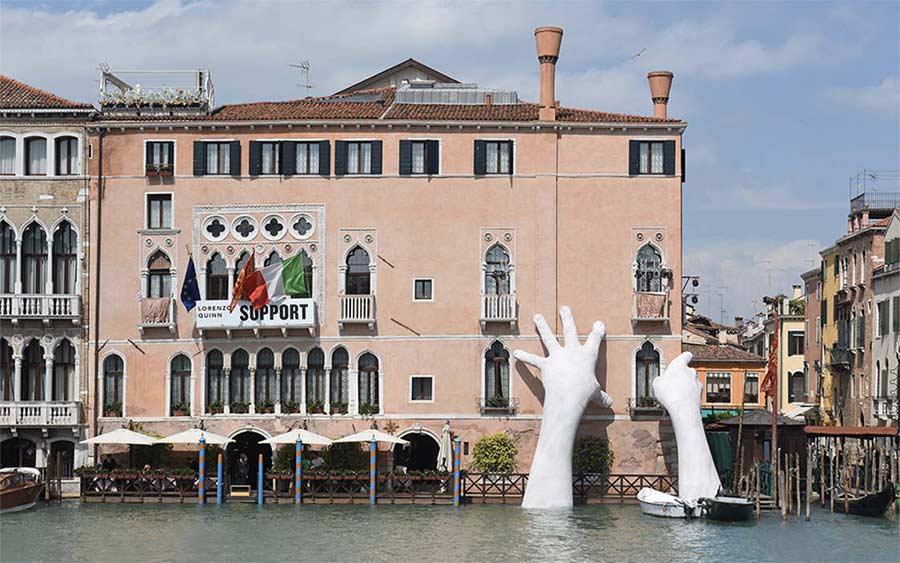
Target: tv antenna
(304, 69)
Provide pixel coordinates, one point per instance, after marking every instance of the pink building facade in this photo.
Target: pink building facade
(432, 232)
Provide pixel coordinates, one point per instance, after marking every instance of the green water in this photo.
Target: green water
(96, 532)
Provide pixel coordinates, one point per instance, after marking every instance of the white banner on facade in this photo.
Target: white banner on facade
(290, 313)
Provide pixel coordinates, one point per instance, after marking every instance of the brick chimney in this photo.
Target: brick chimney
(798, 291)
(548, 40)
(660, 84)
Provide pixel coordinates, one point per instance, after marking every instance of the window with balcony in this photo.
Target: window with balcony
(67, 157)
(159, 211)
(63, 371)
(34, 260)
(307, 276)
(160, 158)
(367, 367)
(358, 277)
(648, 269)
(240, 381)
(751, 388)
(291, 384)
(216, 278)
(340, 379)
(35, 156)
(7, 258)
(113, 385)
(33, 366)
(180, 385)
(215, 381)
(266, 383)
(65, 259)
(718, 387)
(7, 156)
(315, 381)
(493, 157)
(496, 377)
(421, 389)
(419, 157)
(159, 276)
(646, 363)
(7, 371)
(496, 273)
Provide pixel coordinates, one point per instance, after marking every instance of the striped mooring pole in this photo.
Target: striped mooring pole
(373, 447)
(298, 472)
(201, 467)
(456, 482)
(259, 483)
(219, 483)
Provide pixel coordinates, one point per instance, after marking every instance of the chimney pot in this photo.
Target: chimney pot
(660, 85)
(548, 40)
(488, 100)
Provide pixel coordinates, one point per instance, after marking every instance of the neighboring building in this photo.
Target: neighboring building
(408, 71)
(812, 326)
(730, 376)
(885, 390)
(43, 224)
(434, 221)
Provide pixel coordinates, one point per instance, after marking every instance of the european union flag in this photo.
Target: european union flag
(190, 290)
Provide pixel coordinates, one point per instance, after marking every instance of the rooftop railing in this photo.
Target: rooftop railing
(875, 200)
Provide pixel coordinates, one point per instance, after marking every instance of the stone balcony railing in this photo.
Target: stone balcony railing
(650, 306)
(40, 306)
(498, 308)
(157, 313)
(357, 309)
(645, 406)
(39, 413)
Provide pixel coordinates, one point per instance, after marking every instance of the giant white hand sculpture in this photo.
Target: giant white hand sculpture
(679, 391)
(569, 383)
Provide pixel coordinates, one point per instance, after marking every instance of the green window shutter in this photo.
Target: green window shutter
(340, 158)
(235, 158)
(896, 317)
(376, 157)
(433, 157)
(255, 158)
(480, 154)
(324, 158)
(669, 158)
(405, 158)
(634, 158)
(288, 158)
(683, 166)
(199, 158)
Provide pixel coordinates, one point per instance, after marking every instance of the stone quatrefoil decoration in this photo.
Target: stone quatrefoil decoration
(274, 227)
(245, 228)
(215, 228)
(302, 226)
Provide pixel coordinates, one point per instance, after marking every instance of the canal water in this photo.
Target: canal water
(95, 532)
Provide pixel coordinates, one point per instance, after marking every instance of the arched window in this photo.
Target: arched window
(216, 278)
(180, 384)
(33, 366)
(340, 378)
(67, 156)
(7, 258)
(358, 275)
(113, 385)
(65, 259)
(272, 258)
(646, 370)
(315, 381)
(159, 277)
(368, 384)
(7, 156)
(34, 259)
(496, 375)
(265, 379)
(63, 371)
(290, 381)
(496, 272)
(798, 384)
(241, 262)
(36, 156)
(215, 382)
(7, 371)
(307, 275)
(240, 380)
(648, 272)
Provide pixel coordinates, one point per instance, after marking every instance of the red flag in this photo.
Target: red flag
(768, 384)
(241, 290)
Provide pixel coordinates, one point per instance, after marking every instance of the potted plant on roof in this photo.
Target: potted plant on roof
(113, 409)
(181, 409)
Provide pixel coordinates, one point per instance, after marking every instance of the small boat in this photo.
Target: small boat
(873, 504)
(20, 488)
(727, 509)
(656, 503)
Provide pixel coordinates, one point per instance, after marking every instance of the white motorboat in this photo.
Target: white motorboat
(656, 503)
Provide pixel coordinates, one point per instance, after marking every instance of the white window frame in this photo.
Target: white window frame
(365, 140)
(146, 226)
(174, 153)
(431, 280)
(124, 383)
(440, 155)
(277, 155)
(515, 153)
(409, 395)
(311, 142)
(206, 164)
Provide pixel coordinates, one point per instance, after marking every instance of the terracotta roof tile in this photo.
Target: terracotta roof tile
(523, 111)
(18, 95)
(720, 353)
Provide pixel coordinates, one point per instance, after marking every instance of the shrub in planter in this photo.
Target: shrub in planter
(112, 409)
(267, 407)
(591, 455)
(239, 407)
(290, 407)
(495, 453)
(347, 456)
(497, 402)
(181, 409)
(315, 407)
(368, 409)
(338, 408)
(216, 408)
(284, 459)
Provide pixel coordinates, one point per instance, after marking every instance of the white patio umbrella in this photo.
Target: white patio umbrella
(366, 436)
(193, 436)
(122, 436)
(305, 436)
(445, 453)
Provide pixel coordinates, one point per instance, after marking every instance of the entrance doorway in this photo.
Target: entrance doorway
(18, 452)
(243, 457)
(421, 453)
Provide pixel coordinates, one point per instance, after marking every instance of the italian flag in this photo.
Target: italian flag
(270, 284)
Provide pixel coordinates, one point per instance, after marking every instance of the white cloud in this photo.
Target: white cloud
(883, 99)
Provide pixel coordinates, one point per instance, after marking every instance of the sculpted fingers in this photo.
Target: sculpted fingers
(680, 363)
(530, 359)
(547, 336)
(595, 337)
(602, 398)
(570, 334)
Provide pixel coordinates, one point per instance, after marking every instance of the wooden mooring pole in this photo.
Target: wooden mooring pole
(810, 457)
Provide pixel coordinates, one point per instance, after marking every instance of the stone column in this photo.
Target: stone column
(303, 390)
(252, 397)
(327, 389)
(278, 390)
(48, 377)
(18, 283)
(230, 280)
(227, 385)
(48, 283)
(353, 392)
(17, 377)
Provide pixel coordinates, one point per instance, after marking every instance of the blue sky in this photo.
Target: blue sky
(785, 101)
